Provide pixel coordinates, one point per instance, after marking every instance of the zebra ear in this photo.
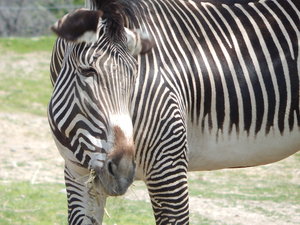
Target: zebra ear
(78, 26)
(138, 42)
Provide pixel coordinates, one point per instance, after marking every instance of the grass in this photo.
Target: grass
(238, 187)
(24, 74)
(25, 95)
(23, 203)
(265, 183)
(254, 190)
(27, 45)
(123, 211)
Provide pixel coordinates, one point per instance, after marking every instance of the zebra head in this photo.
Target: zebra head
(90, 107)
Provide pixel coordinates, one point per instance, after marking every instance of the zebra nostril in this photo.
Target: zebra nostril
(111, 168)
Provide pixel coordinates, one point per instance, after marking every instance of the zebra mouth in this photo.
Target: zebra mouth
(117, 171)
(113, 183)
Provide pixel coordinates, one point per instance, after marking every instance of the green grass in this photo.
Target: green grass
(24, 75)
(123, 211)
(25, 95)
(25, 204)
(27, 45)
(240, 185)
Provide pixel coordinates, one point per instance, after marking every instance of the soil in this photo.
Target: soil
(27, 150)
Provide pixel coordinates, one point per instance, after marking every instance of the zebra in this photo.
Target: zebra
(152, 89)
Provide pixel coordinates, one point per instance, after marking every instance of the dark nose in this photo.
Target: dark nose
(111, 168)
(121, 175)
(122, 168)
(120, 165)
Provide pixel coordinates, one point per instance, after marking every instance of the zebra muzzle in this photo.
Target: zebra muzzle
(116, 173)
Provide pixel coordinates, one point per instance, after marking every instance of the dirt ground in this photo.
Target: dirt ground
(27, 150)
(29, 153)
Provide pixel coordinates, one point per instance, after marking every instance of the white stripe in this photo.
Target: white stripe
(271, 65)
(227, 107)
(232, 69)
(191, 33)
(288, 17)
(284, 62)
(245, 70)
(256, 63)
(205, 4)
(166, 51)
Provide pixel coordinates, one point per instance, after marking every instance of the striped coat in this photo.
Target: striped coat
(219, 89)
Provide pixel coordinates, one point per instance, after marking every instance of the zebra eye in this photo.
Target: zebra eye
(87, 71)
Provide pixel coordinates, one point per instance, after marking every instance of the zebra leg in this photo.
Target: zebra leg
(168, 191)
(85, 201)
(166, 178)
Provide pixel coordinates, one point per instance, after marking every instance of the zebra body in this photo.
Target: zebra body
(226, 100)
(219, 89)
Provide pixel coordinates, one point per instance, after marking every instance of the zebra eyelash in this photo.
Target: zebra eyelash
(87, 72)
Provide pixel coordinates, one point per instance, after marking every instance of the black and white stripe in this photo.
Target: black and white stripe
(229, 70)
(84, 108)
(249, 42)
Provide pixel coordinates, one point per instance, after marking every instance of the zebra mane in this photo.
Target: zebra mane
(120, 13)
(117, 13)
